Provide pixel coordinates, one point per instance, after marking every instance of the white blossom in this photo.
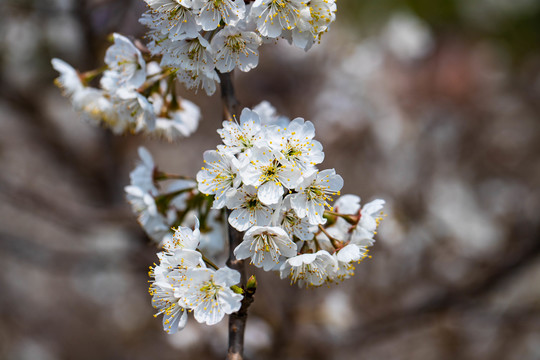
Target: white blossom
(183, 238)
(208, 293)
(69, 80)
(287, 218)
(189, 55)
(248, 210)
(195, 80)
(347, 204)
(312, 22)
(364, 232)
(265, 245)
(296, 145)
(269, 175)
(240, 137)
(268, 115)
(309, 269)
(144, 205)
(127, 67)
(235, 48)
(345, 259)
(134, 110)
(274, 16)
(213, 11)
(220, 177)
(176, 123)
(173, 18)
(167, 276)
(143, 174)
(185, 189)
(313, 195)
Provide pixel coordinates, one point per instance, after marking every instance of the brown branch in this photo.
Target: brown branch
(230, 103)
(237, 320)
(460, 298)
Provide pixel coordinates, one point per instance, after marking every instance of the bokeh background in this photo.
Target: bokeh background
(432, 105)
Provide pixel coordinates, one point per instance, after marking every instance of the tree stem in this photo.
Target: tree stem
(230, 103)
(237, 320)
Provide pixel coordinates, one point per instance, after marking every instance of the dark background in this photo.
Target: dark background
(432, 105)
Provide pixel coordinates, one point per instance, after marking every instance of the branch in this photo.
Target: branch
(237, 320)
(230, 103)
(454, 298)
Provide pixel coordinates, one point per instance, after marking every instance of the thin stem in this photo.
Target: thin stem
(351, 219)
(335, 243)
(158, 176)
(209, 262)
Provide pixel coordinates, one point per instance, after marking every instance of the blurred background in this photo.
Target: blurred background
(433, 106)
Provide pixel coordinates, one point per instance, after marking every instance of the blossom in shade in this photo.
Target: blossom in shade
(127, 67)
(143, 174)
(370, 217)
(268, 115)
(287, 218)
(175, 122)
(144, 205)
(195, 80)
(173, 18)
(189, 55)
(69, 80)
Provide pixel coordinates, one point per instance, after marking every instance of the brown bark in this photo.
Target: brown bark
(237, 320)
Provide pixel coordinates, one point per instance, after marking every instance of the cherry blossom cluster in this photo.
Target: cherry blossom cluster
(178, 217)
(162, 201)
(198, 37)
(265, 173)
(182, 281)
(134, 96)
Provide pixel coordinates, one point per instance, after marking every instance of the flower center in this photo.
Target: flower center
(236, 43)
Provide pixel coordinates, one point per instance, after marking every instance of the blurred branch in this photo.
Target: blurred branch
(62, 261)
(37, 204)
(459, 297)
